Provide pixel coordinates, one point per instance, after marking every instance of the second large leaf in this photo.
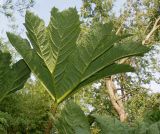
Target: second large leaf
(65, 59)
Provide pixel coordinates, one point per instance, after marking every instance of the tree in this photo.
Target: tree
(8, 7)
(134, 18)
(26, 111)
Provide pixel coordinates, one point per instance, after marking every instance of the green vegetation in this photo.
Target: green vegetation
(55, 52)
(68, 58)
(12, 78)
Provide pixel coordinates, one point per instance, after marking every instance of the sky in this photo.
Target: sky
(43, 7)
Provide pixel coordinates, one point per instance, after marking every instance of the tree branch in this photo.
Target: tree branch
(155, 27)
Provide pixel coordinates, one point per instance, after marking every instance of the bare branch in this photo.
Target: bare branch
(155, 27)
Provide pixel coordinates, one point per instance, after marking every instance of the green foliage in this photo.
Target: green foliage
(97, 10)
(72, 120)
(66, 59)
(110, 125)
(71, 117)
(12, 78)
(94, 99)
(65, 63)
(152, 114)
(26, 111)
(143, 106)
(137, 17)
(3, 122)
(146, 128)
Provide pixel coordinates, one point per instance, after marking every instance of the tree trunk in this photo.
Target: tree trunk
(117, 103)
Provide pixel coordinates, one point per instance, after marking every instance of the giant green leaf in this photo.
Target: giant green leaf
(110, 125)
(34, 61)
(64, 59)
(12, 78)
(72, 120)
(37, 34)
(147, 128)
